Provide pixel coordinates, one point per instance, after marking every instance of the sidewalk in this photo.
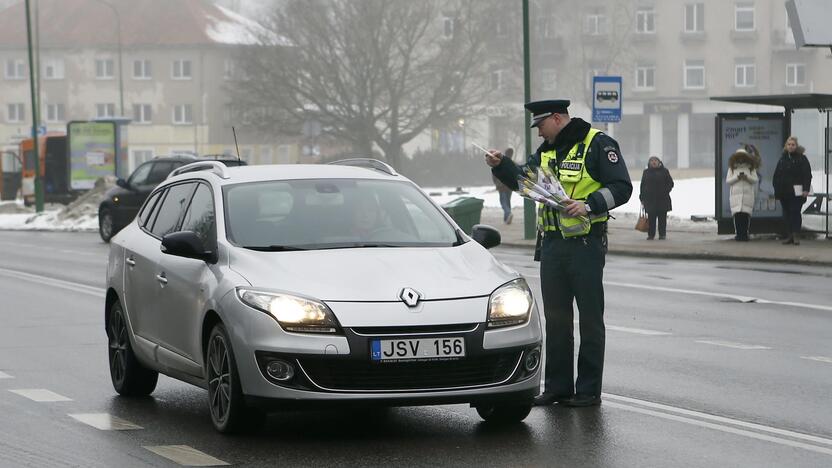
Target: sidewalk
(685, 239)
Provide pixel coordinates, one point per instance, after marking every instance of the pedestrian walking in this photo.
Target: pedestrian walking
(505, 192)
(792, 183)
(656, 184)
(742, 179)
(589, 166)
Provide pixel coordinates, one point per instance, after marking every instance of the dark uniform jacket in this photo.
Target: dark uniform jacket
(603, 162)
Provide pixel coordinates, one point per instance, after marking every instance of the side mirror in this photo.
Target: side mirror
(188, 245)
(122, 183)
(486, 236)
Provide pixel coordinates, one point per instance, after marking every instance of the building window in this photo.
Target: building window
(695, 18)
(497, 80)
(745, 74)
(796, 74)
(183, 114)
(694, 74)
(53, 69)
(646, 20)
(15, 69)
(744, 16)
(595, 24)
(142, 70)
(266, 155)
(15, 113)
(549, 79)
(645, 77)
(229, 69)
(140, 156)
(105, 111)
(55, 113)
(448, 27)
(544, 28)
(104, 69)
(181, 70)
(142, 113)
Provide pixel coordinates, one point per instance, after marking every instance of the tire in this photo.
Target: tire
(106, 224)
(129, 377)
(229, 413)
(504, 413)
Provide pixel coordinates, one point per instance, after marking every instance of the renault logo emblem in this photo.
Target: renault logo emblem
(410, 297)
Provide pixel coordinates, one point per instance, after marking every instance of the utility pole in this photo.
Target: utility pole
(35, 136)
(529, 221)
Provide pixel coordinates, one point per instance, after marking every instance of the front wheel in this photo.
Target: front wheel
(225, 394)
(129, 377)
(106, 224)
(504, 413)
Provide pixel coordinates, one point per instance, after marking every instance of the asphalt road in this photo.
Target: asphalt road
(708, 364)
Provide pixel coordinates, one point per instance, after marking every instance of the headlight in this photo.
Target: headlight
(294, 314)
(510, 304)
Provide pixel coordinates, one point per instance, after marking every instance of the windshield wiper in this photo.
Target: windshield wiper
(273, 248)
(359, 245)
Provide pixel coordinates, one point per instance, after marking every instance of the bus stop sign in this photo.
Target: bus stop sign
(606, 99)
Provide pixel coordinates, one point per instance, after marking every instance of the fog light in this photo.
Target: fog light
(532, 360)
(280, 370)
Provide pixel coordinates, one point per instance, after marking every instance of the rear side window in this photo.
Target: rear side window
(160, 172)
(200, 215)
(144, 214)
(139, 176)
(171, 210)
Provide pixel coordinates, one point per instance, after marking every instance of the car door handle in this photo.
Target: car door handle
(130, 261)
(161, 278)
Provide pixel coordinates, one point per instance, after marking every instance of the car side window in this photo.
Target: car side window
(171, 209)
(160, 171)
(200, 215)
(139, 176)
(144, 214)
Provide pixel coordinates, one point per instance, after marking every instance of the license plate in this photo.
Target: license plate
(417, 348)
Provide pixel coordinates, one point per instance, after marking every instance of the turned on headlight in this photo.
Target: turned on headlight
(293, 313)
(510, 304)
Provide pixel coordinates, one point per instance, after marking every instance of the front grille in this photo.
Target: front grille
(416, 330)
(352, 375)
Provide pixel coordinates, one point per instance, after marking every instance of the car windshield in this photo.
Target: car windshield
(333, 213)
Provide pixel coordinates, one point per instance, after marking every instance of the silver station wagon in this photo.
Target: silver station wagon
(293, 285)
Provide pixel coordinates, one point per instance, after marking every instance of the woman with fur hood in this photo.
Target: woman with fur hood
(742, 179)
(792, 182)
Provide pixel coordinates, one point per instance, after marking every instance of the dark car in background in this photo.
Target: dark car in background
(121, 203)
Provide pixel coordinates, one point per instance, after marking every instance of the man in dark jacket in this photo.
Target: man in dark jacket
(792, 181)
(656, 184)
(589, 165)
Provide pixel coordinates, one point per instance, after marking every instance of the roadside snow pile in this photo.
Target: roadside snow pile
(80, 215)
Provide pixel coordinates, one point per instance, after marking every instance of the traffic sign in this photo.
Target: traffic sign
(41, 130)
(606, 99)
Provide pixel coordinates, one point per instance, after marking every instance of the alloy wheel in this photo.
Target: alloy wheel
(106, 225)
(118, 346)
(219, 379)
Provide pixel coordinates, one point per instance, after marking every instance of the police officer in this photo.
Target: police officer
(589, 165)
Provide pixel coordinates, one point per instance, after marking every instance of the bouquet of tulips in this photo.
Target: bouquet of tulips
(543, 187)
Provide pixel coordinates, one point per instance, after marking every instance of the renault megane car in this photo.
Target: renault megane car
(291, 285)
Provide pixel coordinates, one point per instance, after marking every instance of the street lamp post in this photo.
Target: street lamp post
(35, 136)
(120, 72)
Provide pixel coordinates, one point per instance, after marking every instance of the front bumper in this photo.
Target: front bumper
(337, 368)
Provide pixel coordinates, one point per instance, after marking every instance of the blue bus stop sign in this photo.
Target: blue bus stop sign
(606, 99)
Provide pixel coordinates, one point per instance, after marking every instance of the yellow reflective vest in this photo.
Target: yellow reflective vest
(578, 184)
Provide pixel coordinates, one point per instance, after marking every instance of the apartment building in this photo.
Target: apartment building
(176, 67)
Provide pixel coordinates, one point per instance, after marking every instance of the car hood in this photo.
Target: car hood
(375, 274)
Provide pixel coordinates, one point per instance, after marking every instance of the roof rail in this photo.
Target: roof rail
(368, 164)
(216, 167)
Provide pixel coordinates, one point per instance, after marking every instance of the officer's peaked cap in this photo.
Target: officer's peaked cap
(542, 109)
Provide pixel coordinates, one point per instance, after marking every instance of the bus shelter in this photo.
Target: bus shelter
(768, 132)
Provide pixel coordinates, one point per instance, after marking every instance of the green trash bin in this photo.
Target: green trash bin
(466, 211)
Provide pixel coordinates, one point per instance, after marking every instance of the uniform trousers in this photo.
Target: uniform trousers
(572, 269)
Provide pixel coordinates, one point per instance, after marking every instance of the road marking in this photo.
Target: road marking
(4, 375)
(626, 401)
(72, 286)
(811, 358)
(637, 331)
(731, 344)
(40, 395)
(105, 422)
(185, 455)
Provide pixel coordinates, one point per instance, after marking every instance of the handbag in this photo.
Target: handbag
(642, 224)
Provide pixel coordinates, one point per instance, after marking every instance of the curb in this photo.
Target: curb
(711, 256)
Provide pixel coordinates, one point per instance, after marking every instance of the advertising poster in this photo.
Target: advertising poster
(766, 133)
(92, 152)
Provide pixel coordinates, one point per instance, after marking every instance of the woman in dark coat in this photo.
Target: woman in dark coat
(656, 185)
(792, 182)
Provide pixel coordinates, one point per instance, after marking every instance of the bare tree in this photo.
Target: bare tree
(373, 73)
